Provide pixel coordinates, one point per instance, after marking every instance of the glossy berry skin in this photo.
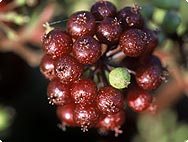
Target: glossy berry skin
(109, 100)
(57, 43)
(81, 23)
(85, 116)
(133, 42)
(112, 122)
(150, 75)
(84, 91)
(58, 93)
(102, 9)
(109, 30)
(68, 69)
(47, 66)
(130, 17)
(65, 114)
(138, 99)
(86, 50)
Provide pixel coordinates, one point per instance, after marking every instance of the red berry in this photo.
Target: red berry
(68, 69)
(84, 91)
(102, 9)
(130, 17)
(81, 23)
(150, 76)
(151, 41)
(109, 100)
(133, 42)
(112, 122)
(85, 116)
(58, 93)
(86, 50)
(57, 43)
(109, 30)
(65, 114)
(47, 67)
(138, 99)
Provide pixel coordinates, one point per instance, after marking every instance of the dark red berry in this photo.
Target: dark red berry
(84, 91)
(109, 30)
(58, 93)
(68, 69)
(81, 23)
(85, 116)
(109, 100)
(151, 41)
(133, 42)
(150, 76)
(138, 99)
(47, 67)
(112, 122)
(130, 17)
(86, 50)
(57, 43)
(102, 9)
(65, 114)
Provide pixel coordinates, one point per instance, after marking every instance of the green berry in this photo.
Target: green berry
(119, 78)
(171, 22)
(167, 4)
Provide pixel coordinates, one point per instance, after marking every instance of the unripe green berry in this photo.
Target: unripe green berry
(167, 4)
(119, 78)
(171, 22)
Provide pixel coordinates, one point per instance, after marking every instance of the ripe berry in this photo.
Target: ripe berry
(109, 100)
(133, 42)
(138, 99)
(86, 50)
(151, 41)
(150, 75)
(130, 17)
(84, 91)
(109, 30)
(81, 23)
(85, 116)
(112, 122)
(65, 114)
(58, 93)
(47, 67)
(102, 9)
(119, 78)
(68, 69)
(57, 43)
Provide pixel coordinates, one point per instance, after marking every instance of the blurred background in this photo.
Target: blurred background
(25, 114)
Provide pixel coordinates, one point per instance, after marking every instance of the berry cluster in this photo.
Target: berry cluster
(100, 62)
